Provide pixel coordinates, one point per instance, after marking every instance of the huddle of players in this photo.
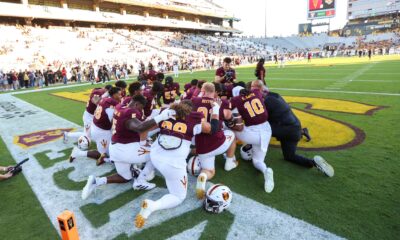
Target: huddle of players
(209, 116)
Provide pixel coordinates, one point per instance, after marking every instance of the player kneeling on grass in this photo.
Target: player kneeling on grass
(95, 96)
(126, 149)
(169, 153)
(286, 128)
(219, 141)
(256, 131)
(101, 128)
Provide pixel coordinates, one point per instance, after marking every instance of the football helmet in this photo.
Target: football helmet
(83, 143)
(246, 152)
(218, 198)
(193, 166)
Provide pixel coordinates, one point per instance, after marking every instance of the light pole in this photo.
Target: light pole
(265, 20)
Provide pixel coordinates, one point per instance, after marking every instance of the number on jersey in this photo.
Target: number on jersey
(254, 107)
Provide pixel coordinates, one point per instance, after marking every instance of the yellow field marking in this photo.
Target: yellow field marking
(333, 105)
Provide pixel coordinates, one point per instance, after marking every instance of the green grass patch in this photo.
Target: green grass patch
(21, 215)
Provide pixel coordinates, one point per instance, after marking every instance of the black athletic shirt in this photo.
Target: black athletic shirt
(279, 111)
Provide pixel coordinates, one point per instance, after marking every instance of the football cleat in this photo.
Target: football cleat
(269, 180)
(230, 164)
(324, 166)
(150, 176)
(201, 185)
(65, 137)
(89, 187)
(144, 213)
(306, 134)
(101, 160)
(142, 185)
(74, 154)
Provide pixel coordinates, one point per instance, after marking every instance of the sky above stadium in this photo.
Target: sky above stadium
(283, 16)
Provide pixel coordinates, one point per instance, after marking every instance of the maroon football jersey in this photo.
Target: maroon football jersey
(196, 92)
(120, 134)
(221, 72)
(251, 108)
(170, 92)
(187, 87)
(100, 118)
(228, 90)
(183, 129)
(126, 101)
(148, 94)
(190, 92)
(91, 107)
(206, 143)
(152, 75)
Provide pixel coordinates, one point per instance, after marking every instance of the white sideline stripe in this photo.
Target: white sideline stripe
(349, 78)
(328, 91)
(252, 219)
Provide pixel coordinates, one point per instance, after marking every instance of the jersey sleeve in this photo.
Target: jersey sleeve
(197, 129)
(110, 113)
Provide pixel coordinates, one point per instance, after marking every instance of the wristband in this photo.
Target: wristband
(215, 109)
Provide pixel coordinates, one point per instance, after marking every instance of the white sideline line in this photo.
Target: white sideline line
(330, 91)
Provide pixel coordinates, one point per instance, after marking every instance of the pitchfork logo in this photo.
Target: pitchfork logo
(143, 151)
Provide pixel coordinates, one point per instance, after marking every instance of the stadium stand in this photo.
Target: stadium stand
(88, 35)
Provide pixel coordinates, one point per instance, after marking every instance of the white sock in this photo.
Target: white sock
(232, 159)
(75, 135)
(166, 202)
(81, 153)
(148, 168)
(204, 174)
(101, 181)
(107, 160)
(261, 166)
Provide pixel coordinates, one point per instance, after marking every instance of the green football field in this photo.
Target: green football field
(333, 97)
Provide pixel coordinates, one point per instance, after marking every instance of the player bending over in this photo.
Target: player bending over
(101, 128)
(95, 96)
(218, 142)
(286, 128)
(168, 154)
(126, 149)
(256, 131)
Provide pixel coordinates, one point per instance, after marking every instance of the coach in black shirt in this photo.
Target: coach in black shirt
(286, 128)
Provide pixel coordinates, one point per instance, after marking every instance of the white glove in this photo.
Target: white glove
(215, 108)
(165, 115)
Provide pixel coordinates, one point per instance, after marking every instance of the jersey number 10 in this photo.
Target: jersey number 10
(254, 107)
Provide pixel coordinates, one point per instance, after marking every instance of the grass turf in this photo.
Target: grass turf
(360, 202)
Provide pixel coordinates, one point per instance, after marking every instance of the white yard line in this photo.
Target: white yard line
(349, 78)
(329, 91)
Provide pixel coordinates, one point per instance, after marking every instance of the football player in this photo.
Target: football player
(171, 90)
(168, 155)
(126, 150)
(218, 142)
(286, 128)
(101, 128)
(225, 74)
(95, 96)
(122, 85)
(256, 131)
(189, 89)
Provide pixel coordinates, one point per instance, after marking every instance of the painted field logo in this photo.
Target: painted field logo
(33, 139)
(327, 133)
